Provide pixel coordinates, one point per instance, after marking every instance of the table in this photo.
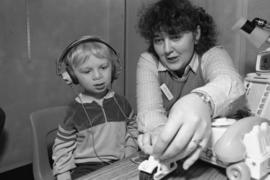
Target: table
(127, 169)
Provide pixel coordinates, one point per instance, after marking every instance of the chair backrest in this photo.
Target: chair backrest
(2, 120)
(44, 124)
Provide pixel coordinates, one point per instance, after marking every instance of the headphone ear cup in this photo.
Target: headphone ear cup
(116, 69)
(72, 75)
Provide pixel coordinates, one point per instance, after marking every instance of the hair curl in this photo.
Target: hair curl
(174, 17)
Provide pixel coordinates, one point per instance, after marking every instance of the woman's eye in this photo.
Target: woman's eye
(158, 40)
(176, 37)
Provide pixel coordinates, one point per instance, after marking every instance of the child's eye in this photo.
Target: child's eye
(104, 67)
(86, 71)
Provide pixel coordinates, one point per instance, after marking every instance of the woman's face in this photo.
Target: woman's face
(175, 51)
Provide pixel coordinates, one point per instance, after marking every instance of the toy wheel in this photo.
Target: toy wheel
(239, 171)
(145, 176)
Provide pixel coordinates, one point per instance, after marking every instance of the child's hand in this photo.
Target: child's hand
(130, 151)
(64, 176)
(147, 140)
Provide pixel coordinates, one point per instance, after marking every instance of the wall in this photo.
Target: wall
(135, 45)
(32, 35)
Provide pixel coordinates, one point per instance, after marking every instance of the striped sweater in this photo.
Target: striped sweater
(107, 132)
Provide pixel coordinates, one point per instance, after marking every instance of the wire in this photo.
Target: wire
(126, 117)
(91, 126)
(28, 31)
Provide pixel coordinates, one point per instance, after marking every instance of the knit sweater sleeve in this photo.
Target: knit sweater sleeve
(64, 146)
(151, 113)
(223, 83)
(132, 133)
(131, 145)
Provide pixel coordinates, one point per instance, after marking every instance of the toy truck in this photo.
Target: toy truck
(241, 146)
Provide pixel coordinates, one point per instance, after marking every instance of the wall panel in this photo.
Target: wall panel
(13, 90)
(135, 45)
(33, 35)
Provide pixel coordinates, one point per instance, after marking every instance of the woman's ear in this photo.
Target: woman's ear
(197, 34)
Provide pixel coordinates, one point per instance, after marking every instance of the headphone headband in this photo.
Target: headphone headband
(73, 44)
(83, 39)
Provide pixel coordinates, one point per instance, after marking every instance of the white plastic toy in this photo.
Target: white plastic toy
(156, 169)
(243, 148)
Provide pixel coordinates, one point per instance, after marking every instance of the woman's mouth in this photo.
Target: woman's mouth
(172, 59)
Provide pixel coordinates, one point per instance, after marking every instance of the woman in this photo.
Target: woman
(183, 81)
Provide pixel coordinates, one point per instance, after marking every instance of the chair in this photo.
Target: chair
(2, 120)
(44, 126)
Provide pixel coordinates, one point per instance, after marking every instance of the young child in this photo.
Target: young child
(100, 127)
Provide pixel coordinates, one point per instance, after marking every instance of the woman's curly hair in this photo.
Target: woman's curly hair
(174, 17)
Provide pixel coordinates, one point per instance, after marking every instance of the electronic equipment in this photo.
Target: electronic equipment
(257, 84)
(256, 31)
(263, 62)
(258, 87)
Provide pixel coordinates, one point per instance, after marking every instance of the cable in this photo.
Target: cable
(128, 118)
(261, 23)
(91, 126)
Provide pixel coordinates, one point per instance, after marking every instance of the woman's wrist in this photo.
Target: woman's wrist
(207, 100)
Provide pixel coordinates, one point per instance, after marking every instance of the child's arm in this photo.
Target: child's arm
(63, 148)
(132, 134)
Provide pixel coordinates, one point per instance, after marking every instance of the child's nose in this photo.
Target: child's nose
(97, 74)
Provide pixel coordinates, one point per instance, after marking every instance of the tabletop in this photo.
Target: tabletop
(127, 169)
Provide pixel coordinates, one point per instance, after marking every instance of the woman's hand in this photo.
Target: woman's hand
(64, 176)
(186, 133)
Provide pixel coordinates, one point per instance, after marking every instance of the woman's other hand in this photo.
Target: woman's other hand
(64, 176)
(186, 133)
(148, 139)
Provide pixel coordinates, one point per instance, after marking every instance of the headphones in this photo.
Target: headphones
(68, 75)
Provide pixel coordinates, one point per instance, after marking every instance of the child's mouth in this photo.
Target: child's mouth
(100, 86)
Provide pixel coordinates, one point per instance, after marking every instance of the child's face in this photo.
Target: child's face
(95, 75)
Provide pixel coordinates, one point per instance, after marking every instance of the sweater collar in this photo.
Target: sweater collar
(83, 98)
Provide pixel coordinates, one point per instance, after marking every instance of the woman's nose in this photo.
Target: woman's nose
(167, 46)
